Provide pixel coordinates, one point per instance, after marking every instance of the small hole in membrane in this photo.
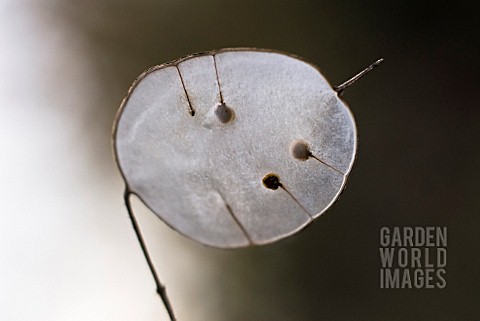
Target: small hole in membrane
(271, 181)
(300, 150)
(224, 113)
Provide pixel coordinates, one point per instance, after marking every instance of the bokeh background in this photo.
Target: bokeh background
(67, 250)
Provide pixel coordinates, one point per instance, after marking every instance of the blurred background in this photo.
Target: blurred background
(67, 250)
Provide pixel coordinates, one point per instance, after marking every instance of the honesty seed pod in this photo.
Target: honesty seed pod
(235, 147)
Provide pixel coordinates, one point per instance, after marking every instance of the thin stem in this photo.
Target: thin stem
(341, 88)
(160, 287)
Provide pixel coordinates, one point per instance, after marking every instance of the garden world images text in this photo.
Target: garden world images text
(413, 257)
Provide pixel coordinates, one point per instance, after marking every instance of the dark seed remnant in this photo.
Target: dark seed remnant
(300, 150)
(272, 181)
(224, 113)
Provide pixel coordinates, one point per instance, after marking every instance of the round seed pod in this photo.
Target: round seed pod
(235, 147)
